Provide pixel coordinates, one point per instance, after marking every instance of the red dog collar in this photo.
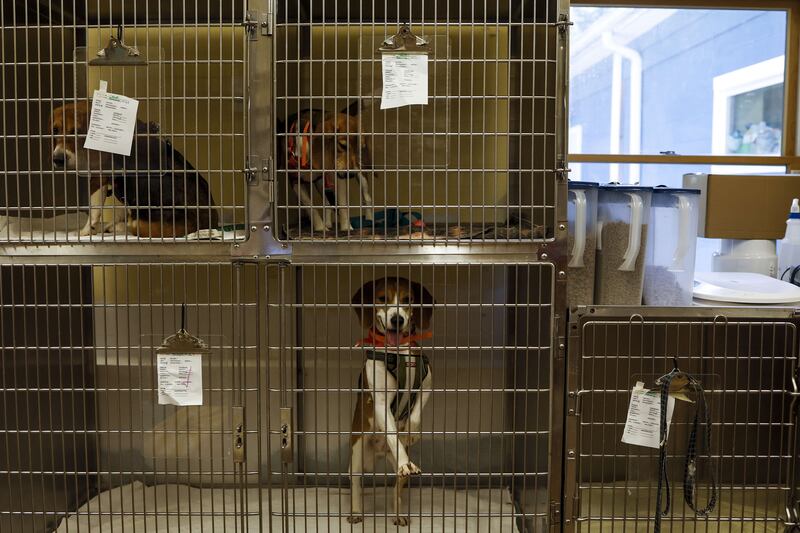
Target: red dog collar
(377, 340)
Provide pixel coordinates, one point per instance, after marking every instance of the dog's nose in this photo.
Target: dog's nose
(397, 321)
(59, 159)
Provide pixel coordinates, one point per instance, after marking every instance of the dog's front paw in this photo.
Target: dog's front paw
(355, 518)
(87, 230)
(408, 469)
(401, 521)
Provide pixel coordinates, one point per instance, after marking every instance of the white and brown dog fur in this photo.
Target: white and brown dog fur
(164, 195)
(322, 149)
(396, 310)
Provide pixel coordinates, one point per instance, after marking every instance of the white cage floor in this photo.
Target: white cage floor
(66, 228)
(173, 508)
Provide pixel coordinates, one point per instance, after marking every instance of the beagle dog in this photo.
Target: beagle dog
(317, 148)
(395, 383)
(165, 196)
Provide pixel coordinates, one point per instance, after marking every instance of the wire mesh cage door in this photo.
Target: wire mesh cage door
(172, 170)
(744, 360)
(102, 430)
(473, 158)
(437, 375)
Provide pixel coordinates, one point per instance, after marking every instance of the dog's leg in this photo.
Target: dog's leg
(383, 388)
(356, 470)
(366, 196)
(303, 191)
(415, 416)
(342, 206)
(96, 202)
(327, 208)
(400, 519)
(119, 221)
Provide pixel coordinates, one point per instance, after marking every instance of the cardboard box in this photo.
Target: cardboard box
(747, 206)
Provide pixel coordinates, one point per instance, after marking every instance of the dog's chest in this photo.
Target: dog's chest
(408, 368)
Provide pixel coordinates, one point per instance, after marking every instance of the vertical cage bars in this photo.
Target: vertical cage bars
(745, 366)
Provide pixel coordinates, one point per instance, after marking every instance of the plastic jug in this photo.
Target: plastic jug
(669, 268)
(623, 213)
(789, 252)
(582, 218)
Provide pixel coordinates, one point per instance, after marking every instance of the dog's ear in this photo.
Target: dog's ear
(353, 109)
(363, 302)
(423, 302)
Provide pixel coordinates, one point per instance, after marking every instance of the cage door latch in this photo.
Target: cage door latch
(237, 417)
(555, 513)
(287, 445)
(260, 24)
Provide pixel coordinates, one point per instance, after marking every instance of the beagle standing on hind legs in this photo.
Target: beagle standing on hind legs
(395, 383)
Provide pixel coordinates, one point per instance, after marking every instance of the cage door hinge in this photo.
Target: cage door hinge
(555, 513)
(287, 444)
(237, 417)
(563, 23)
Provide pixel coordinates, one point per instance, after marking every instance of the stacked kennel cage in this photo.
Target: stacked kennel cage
(746, 361)
(85, 444)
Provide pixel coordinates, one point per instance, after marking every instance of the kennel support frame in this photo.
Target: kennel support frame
(621, 316)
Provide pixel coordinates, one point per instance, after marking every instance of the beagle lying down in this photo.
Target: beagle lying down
(396, 381)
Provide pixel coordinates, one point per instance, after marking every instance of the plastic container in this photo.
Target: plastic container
(743, 288)
(754, 255)
(582, 246)
(789, 252)
(623, 213)
(669, 268)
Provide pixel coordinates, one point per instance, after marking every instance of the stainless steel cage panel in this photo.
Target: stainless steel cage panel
(745, 359)
(482, 161)
(84, 443)
(484, 445)
(184, 179)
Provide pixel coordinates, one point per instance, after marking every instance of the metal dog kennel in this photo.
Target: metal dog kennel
(84, 443)
(469, 202)
(746, 361)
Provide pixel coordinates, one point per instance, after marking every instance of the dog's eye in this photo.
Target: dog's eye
(405, 300)
(343, 144)
(56, 130)
(381, 299)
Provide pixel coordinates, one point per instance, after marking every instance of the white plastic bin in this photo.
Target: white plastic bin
(672, 233)
(623, 213)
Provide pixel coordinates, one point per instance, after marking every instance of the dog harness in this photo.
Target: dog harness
(303, 141)
(400, 361)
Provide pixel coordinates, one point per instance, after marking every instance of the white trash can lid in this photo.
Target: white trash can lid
(744, 288)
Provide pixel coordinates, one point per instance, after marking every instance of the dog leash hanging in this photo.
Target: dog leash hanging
(701, 416)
